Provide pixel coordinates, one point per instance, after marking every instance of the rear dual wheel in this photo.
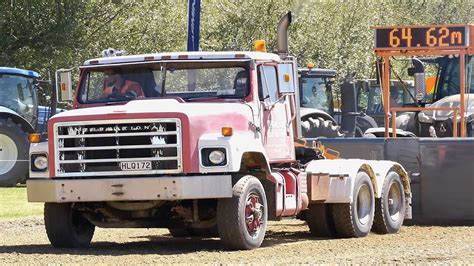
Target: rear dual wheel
(390, 208)
(355, 219)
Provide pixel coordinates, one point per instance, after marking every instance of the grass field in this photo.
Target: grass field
(13, 204)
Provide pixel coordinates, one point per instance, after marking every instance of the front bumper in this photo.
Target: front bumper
(129, 189)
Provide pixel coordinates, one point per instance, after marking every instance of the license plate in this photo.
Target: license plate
(134, 166)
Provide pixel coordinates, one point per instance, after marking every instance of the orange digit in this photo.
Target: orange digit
(444, 34)
(430, 39)
(456, 37)
(406, 35)
(394, 40)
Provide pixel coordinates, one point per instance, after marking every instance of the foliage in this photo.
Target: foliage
(45, 35)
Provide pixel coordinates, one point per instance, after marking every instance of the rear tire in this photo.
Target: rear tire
(355, 219)
(390, 208)
(319, 127)
(242, 219)
(363, 123)
(66, 227)
(319, 219)
(14, 149)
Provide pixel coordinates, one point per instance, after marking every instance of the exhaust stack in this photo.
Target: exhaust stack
(282, 35)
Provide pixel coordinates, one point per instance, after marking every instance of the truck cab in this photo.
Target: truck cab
(201, 143)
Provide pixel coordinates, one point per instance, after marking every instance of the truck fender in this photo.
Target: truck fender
(8, 113)
(242, 148)
(332, 181)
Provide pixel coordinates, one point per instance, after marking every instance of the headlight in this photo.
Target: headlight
(39, 162)
(213, 157)
(216, 157)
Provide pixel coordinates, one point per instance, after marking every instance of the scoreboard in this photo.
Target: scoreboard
(418, 37)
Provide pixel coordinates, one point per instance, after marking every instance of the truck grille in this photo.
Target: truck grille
(131, 147)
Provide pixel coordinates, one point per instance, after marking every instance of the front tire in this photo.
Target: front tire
(242, 219)
(355, 219)
(14, 150)
(390, 208)
(66, 227)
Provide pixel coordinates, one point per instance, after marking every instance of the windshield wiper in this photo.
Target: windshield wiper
(213, 97)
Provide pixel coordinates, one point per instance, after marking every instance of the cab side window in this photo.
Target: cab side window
(267, 84)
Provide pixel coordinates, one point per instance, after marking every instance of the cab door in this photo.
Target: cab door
(276, 115)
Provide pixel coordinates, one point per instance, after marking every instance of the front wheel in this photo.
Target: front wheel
(242, 219)
(66, 227)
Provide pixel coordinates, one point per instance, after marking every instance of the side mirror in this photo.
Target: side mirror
(64, 85)
(285, 78)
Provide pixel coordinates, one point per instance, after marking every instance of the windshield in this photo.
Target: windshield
(18, 94)
(316, 93)
(400, 95)
(449, 76)
(187, 80)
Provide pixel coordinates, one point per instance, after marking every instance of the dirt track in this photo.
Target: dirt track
(25, 241)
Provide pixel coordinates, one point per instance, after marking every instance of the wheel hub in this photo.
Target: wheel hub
(8, 154)
(363, 204)
(394, 201)
(253, 214)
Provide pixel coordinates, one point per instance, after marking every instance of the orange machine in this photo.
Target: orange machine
(431, 40)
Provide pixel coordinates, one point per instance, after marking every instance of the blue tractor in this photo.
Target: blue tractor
(18, 117)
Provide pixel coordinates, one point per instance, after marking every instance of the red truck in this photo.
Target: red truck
(206, 148)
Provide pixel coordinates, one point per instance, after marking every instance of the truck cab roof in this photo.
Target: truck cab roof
(183, 56)
(17, 71)
(318, 72)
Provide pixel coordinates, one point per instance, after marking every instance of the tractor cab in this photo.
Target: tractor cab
(18, 93)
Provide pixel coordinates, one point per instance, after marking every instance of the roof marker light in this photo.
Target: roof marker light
(260, 46)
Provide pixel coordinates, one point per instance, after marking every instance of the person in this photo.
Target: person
(117, 85)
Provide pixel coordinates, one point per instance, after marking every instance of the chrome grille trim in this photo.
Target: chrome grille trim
(78, 153)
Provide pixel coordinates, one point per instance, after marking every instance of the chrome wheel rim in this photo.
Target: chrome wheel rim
(364, 204)
(254, 211)
(394, 201)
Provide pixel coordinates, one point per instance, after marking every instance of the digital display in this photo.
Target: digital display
(422, 37)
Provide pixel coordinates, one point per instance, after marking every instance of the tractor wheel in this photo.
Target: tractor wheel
(318, 127)
(363, 123)
(355, 219)
(67, 227)
(320, 221)
(390, 208)
(14, 149)
(242, 219)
